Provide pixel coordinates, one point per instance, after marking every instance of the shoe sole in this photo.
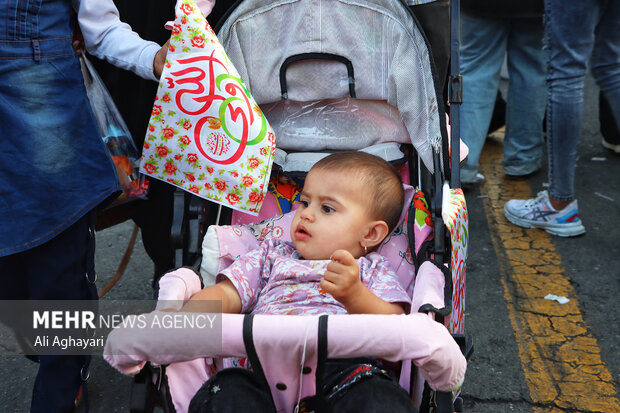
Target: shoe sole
(522, 177)
(572, 229)
(611, 146)
(471, 184)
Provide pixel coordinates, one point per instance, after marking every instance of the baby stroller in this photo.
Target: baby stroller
(340, 60)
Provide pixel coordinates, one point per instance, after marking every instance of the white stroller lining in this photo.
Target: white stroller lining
(303, 161)
(280, 340)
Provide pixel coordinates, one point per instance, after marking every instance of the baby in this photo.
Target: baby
(350, 202)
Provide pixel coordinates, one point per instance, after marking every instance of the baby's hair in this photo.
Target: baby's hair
(381, 179)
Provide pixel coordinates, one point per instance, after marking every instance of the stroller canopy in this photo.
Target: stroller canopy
(308, 50)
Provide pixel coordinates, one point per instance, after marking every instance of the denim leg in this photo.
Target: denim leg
(525, 110)
(61, 269)
(569, 40)
(482, 54)
(606, 57)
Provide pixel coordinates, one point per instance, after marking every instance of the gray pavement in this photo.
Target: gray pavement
(495, 380)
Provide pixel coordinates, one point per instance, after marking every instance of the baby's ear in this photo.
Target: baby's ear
(376, 231)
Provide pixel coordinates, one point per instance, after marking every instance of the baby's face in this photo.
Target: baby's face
(332, 215)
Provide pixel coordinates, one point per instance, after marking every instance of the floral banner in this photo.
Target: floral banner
(206, 134)
(456, 218)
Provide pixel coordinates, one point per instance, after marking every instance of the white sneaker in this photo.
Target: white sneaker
(539, 213)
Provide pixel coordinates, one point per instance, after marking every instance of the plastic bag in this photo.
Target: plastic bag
(334, 124)
(115, 135)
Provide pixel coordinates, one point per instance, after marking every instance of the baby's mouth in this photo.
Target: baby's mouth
(301, 233)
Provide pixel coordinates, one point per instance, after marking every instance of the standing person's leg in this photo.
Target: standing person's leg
(606, 67)
(134, 98)
(526, 100)
(14, 287)
(569, 40)
(609, 128)
(482, 54)
(60, 269)
(154, 216)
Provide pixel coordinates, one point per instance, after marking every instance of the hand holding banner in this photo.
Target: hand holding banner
(206, 134)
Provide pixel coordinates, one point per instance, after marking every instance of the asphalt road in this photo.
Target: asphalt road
(500, 376)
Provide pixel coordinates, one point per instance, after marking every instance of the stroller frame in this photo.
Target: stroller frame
(189, 239)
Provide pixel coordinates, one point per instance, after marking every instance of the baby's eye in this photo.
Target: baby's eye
(304, 203)
(327, 209)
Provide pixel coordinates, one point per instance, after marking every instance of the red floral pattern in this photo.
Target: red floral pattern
(225, 158)
(456, 219)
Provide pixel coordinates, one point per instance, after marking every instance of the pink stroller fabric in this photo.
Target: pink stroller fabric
(283, 343)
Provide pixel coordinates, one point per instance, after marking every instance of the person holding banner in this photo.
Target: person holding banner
(350, 202)
(134, 96)
(55, 171)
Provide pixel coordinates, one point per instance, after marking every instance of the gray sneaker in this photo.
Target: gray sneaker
(476, 179)
(539, 213)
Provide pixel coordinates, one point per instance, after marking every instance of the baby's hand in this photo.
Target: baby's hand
(342, 279)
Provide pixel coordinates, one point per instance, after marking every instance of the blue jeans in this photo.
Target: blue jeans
(485, 42)
(575, 32)
(60, 269)
(54, 171)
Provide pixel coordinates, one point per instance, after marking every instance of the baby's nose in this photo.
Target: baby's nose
(307, 214)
